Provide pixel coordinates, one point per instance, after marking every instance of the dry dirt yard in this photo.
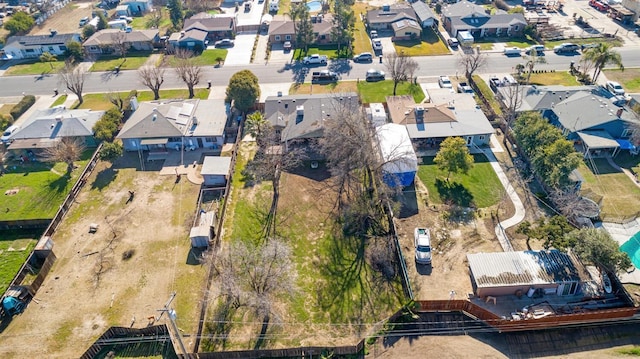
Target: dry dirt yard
(65, 20)
(92, 286)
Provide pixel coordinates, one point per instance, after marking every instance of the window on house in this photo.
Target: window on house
(29, 50)
(287, 37)
(323, 37)
(210, 139)
(277, 37)
(175, 139)
(481, 137)
(63, 48)
(627, 132)
(50, 48)
(516, 28)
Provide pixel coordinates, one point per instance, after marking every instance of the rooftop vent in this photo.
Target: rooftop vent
(419, 111)
(386, 7)
(155, 117)
(619, 112)
(59, 118)
(300, 110)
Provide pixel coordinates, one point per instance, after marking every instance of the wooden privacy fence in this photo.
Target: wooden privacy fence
(504, 325)
(301, 352)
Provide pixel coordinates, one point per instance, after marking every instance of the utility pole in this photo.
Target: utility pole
(172, 319)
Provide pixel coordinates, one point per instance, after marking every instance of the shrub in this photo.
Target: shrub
(107, 127)
(5, 121)
(22, 106)
(111, 150)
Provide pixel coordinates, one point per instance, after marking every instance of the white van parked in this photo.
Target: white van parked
(6, 135)
(512, 51)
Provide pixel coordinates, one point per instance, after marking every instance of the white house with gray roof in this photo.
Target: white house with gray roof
(46, 127)
(106, 41)
(425, 15)
(32, 46)
(163, 125)
(467, 16)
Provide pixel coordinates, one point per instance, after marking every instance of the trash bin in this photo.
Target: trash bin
(380, 58)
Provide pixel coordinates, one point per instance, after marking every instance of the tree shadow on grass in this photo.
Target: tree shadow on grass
(220, 326)
(60, 184)
(104, 178)
(454, 192)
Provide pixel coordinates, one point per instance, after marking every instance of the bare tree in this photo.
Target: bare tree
(400, 67)
(73, 77)
(120, 43)
(67, 150)
(532, 60)
(512, 100)
(153, 78)
(187, 69)
(271, 159)
(116, 99)
(254, 275)
(572, 205)
(471, 61)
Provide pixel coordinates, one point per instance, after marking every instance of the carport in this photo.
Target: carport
(595, 142)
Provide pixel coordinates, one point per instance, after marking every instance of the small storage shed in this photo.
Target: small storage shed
(215, 170)
(512, 273)
(376, 114)
(204, 231)
(400, 160)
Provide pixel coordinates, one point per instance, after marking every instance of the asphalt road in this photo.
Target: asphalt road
(280, 73)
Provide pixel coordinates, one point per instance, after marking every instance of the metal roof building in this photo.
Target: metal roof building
(506, 273)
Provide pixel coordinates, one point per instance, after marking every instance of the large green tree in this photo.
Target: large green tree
(176, 13)
(597, 247)
(552, 156)
(74, 51)
(303, 28)
(343, 25)
(601, 56)
(243, 90)
(19, 23)
(454, 156)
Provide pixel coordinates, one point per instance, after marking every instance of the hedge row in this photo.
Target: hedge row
(22, 106)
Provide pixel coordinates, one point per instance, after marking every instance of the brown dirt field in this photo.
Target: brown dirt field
(74, 306)
(65, 20)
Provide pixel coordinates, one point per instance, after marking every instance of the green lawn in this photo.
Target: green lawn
(486, 92)
(98, 101)
(620, 197)
(41, 188)
(35, 68)
(132, 61)
(59, 101)
(5, 109)
(429, 45)
(143, 22)
(207, 57)
(554, 78)
(14, 250)
(284, 7)
(362, 42)
(330, 51)
(378, 91)
(521, 43)
(338, 87)
(479, 188)
(629, 78)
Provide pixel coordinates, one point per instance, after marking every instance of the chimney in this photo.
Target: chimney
(133, 102)
(619, 113)
(59, 118)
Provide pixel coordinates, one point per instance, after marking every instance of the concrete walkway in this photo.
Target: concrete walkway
(517, 203)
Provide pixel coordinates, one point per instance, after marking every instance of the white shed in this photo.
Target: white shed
(215, 170)
(202, 233)
(376, 114)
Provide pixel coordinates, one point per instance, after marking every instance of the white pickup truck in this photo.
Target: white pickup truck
(315, 59)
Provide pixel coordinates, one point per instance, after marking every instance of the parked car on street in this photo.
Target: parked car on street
(512, 51)
(444, 82)
(374, 75)
(224, 43)
(615, 88)
(422, 242)
(324, 76)
(363, 57)
(538, 49)
(565, 48)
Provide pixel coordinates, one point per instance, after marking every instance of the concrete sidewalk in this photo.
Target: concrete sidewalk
(517, 203)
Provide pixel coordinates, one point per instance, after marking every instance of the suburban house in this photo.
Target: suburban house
(44, 128)
(426, 17)
(515, 273)
(406, 29)
(32, 46)
(384, 17)
(160, 126)
(429, 124)
(467, 16)
(281, 29)
(107, 41)
(299, 118)
(192, 40)
(138, 7)
(219, 27)
(598, 123)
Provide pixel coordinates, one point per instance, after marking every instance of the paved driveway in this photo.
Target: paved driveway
(240, 53)
(278, 55)
(387, 46)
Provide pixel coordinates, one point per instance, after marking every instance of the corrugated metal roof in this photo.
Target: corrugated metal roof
(522, 268)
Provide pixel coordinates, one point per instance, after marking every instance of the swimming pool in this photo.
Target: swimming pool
(632, 248)
(315, 5)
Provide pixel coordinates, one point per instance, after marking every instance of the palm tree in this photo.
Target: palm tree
(601, 56)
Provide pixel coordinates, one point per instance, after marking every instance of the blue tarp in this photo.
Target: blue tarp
(625, 145)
